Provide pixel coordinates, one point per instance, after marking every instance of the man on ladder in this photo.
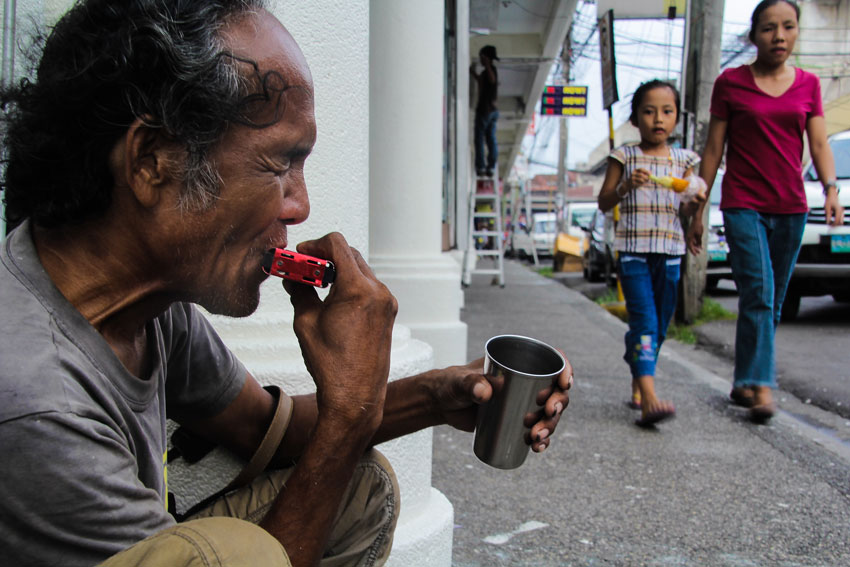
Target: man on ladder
(486, 113)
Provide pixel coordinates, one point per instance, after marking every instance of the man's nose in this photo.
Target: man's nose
(296, 202)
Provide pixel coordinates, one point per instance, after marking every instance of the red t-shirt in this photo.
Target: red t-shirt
(764, 139)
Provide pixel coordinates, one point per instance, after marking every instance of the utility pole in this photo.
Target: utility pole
(700, 67)
(563, 138)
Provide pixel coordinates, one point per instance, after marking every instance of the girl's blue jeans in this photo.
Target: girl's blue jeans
(763, 249)
(650, 284)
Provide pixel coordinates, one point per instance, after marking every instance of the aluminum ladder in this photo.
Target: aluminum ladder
(485, 233)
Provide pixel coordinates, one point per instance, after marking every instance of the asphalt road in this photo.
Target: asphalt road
(812, 351)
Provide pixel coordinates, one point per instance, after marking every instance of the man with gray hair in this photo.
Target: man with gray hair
(153, 159)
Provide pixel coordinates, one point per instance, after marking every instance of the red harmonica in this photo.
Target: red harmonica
(299, 267)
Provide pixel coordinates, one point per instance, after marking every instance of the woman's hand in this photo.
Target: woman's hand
(833, 209)
(694, 235)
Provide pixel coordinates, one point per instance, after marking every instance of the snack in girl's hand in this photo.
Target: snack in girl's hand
(690, 187)
(677, 184)
(696, 188)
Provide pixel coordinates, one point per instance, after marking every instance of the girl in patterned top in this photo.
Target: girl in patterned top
(649, 239)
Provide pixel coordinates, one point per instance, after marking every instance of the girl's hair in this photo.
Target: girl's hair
(641, 91)
(764, 5)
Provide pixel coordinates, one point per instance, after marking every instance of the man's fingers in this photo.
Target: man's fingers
(303, 297)
(335, 248)
(541, 430)
(475, 387)
(565, 380)
(365, 269)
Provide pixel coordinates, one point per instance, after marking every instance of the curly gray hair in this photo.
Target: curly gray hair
(106, 64)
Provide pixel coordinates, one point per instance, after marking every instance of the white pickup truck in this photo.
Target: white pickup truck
(823, 266)
(539, 238)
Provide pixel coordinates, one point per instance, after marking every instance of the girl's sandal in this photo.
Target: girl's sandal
(634, 403)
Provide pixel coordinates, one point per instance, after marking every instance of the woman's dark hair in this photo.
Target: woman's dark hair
(762, 6)
(106, 64)
(644, 88)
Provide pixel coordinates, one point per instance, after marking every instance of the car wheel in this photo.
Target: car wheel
(610, 272)
(791, 305)
(592, 272)
(842, 297)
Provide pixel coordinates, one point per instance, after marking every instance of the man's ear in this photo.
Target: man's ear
(143, 158)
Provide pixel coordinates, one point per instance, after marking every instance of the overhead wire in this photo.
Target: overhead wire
(641, 45)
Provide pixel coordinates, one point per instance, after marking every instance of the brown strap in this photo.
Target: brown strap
(271, 441)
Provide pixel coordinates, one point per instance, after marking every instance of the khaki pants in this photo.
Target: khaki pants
(224, 534)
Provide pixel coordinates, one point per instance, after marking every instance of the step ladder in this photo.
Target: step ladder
(485, 233)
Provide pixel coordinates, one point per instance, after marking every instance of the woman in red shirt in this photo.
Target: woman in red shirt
(759, 113)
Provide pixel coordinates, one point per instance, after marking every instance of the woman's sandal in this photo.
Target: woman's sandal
(743, 397)
(763, 407)
(761, 414)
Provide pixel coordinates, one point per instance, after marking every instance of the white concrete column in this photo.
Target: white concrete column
(406, 113)
(463, 142)
(407, 103)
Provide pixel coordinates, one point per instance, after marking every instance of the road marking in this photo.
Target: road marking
(499, 539)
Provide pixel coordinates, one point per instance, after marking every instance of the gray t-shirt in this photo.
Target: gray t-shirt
(82, 441)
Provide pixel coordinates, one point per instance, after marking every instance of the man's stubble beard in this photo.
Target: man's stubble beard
(232, 304)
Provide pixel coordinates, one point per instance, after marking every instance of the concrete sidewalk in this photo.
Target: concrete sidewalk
(707, 488)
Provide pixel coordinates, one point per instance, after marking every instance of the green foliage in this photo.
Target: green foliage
(713, 311)
(682, 333)
(545, 271)
(710, 311)
(610, 296)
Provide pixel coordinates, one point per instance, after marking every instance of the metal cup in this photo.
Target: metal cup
(518, 368)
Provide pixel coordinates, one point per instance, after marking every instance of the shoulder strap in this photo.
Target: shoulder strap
(271, 441)
(262, 456)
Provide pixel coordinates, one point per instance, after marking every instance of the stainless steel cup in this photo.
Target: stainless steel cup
(518, 368)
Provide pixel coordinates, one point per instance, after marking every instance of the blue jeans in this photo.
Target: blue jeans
(485, 130)
(763, 249)
(649, 283)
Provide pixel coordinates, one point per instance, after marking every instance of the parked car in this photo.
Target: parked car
(717, 248)
(540, 236)
(823, 266)
(576, 217)
(598, 260)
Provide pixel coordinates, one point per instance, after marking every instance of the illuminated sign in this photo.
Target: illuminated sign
(561, 100)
